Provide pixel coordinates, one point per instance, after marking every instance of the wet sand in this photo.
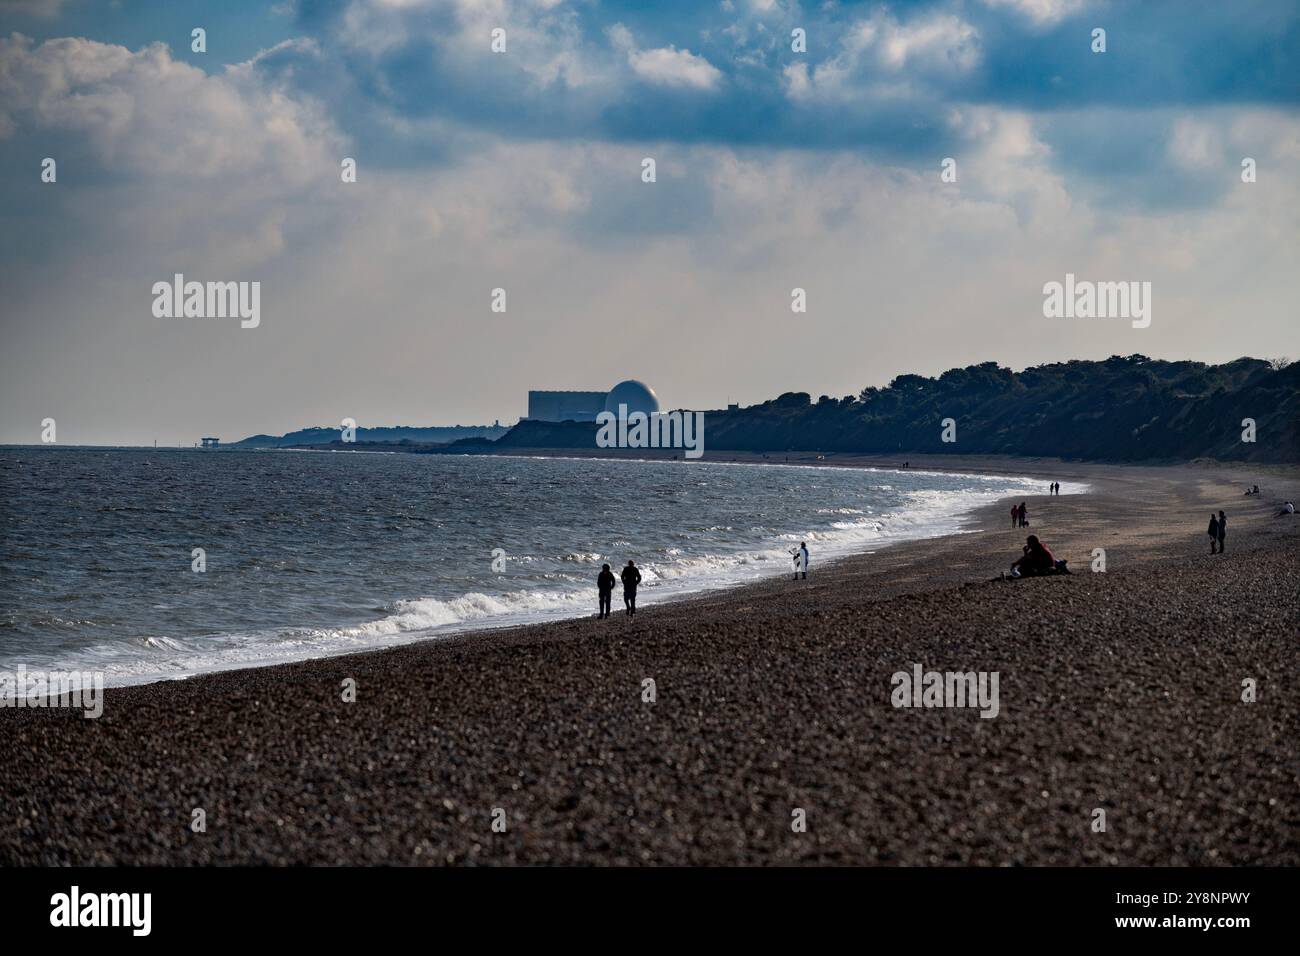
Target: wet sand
(1118, 691)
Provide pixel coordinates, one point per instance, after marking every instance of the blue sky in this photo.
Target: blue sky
(521, 170)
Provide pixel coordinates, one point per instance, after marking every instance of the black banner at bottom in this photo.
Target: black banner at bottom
(335, 906)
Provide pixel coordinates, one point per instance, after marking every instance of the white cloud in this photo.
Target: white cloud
(1041, 12)
(543, 39)
(665, 66)
(938, 42)
(145, 113)
(669, 66)
(1003, 161)
(1195, 145)
(883, 56)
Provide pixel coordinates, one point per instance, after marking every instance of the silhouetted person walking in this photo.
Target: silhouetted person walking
(631, 578)
(605, 586)
(1015, 516)
(1223, 530)
(1213, 532)
(1024, 515)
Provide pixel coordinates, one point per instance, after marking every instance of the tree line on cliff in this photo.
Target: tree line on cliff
(1126, 408)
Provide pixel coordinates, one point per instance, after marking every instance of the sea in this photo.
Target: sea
(151, 564)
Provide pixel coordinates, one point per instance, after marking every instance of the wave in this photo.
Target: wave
(564, 582)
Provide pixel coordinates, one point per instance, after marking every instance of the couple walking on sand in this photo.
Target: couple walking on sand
(605, 586)
(1019, 516)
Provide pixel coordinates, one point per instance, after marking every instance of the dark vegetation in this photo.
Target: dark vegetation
(1126, 408)
(399, 434)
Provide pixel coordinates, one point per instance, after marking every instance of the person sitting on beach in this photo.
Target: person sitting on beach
(1036, 560)
(631, 578)
(605, 588)
(1213, 532)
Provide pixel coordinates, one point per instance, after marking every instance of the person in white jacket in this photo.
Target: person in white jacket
(801, 560)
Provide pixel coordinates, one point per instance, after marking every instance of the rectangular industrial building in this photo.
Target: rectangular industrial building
(563, 406)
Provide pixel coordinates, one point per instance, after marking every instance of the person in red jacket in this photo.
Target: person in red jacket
(1036, 559)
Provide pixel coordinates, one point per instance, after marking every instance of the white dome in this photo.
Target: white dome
(637, 396)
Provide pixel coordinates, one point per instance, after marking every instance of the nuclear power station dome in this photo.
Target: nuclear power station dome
(637, 396)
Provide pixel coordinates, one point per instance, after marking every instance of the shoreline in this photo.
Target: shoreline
(1119, 690)
(956, 521)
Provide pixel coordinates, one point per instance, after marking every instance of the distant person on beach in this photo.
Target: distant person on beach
(1223, 530)
(631, 578)
(1024, 515)
(605, 586)
(1213, 532)
(801, 560)
(1035, 561)
(1015, 516)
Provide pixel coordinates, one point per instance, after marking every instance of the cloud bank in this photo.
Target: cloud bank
(522, 170)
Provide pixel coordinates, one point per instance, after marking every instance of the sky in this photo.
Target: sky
(776, 169)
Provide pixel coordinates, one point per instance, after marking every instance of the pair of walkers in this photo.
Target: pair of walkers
(1019, 516)
(605, 582)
